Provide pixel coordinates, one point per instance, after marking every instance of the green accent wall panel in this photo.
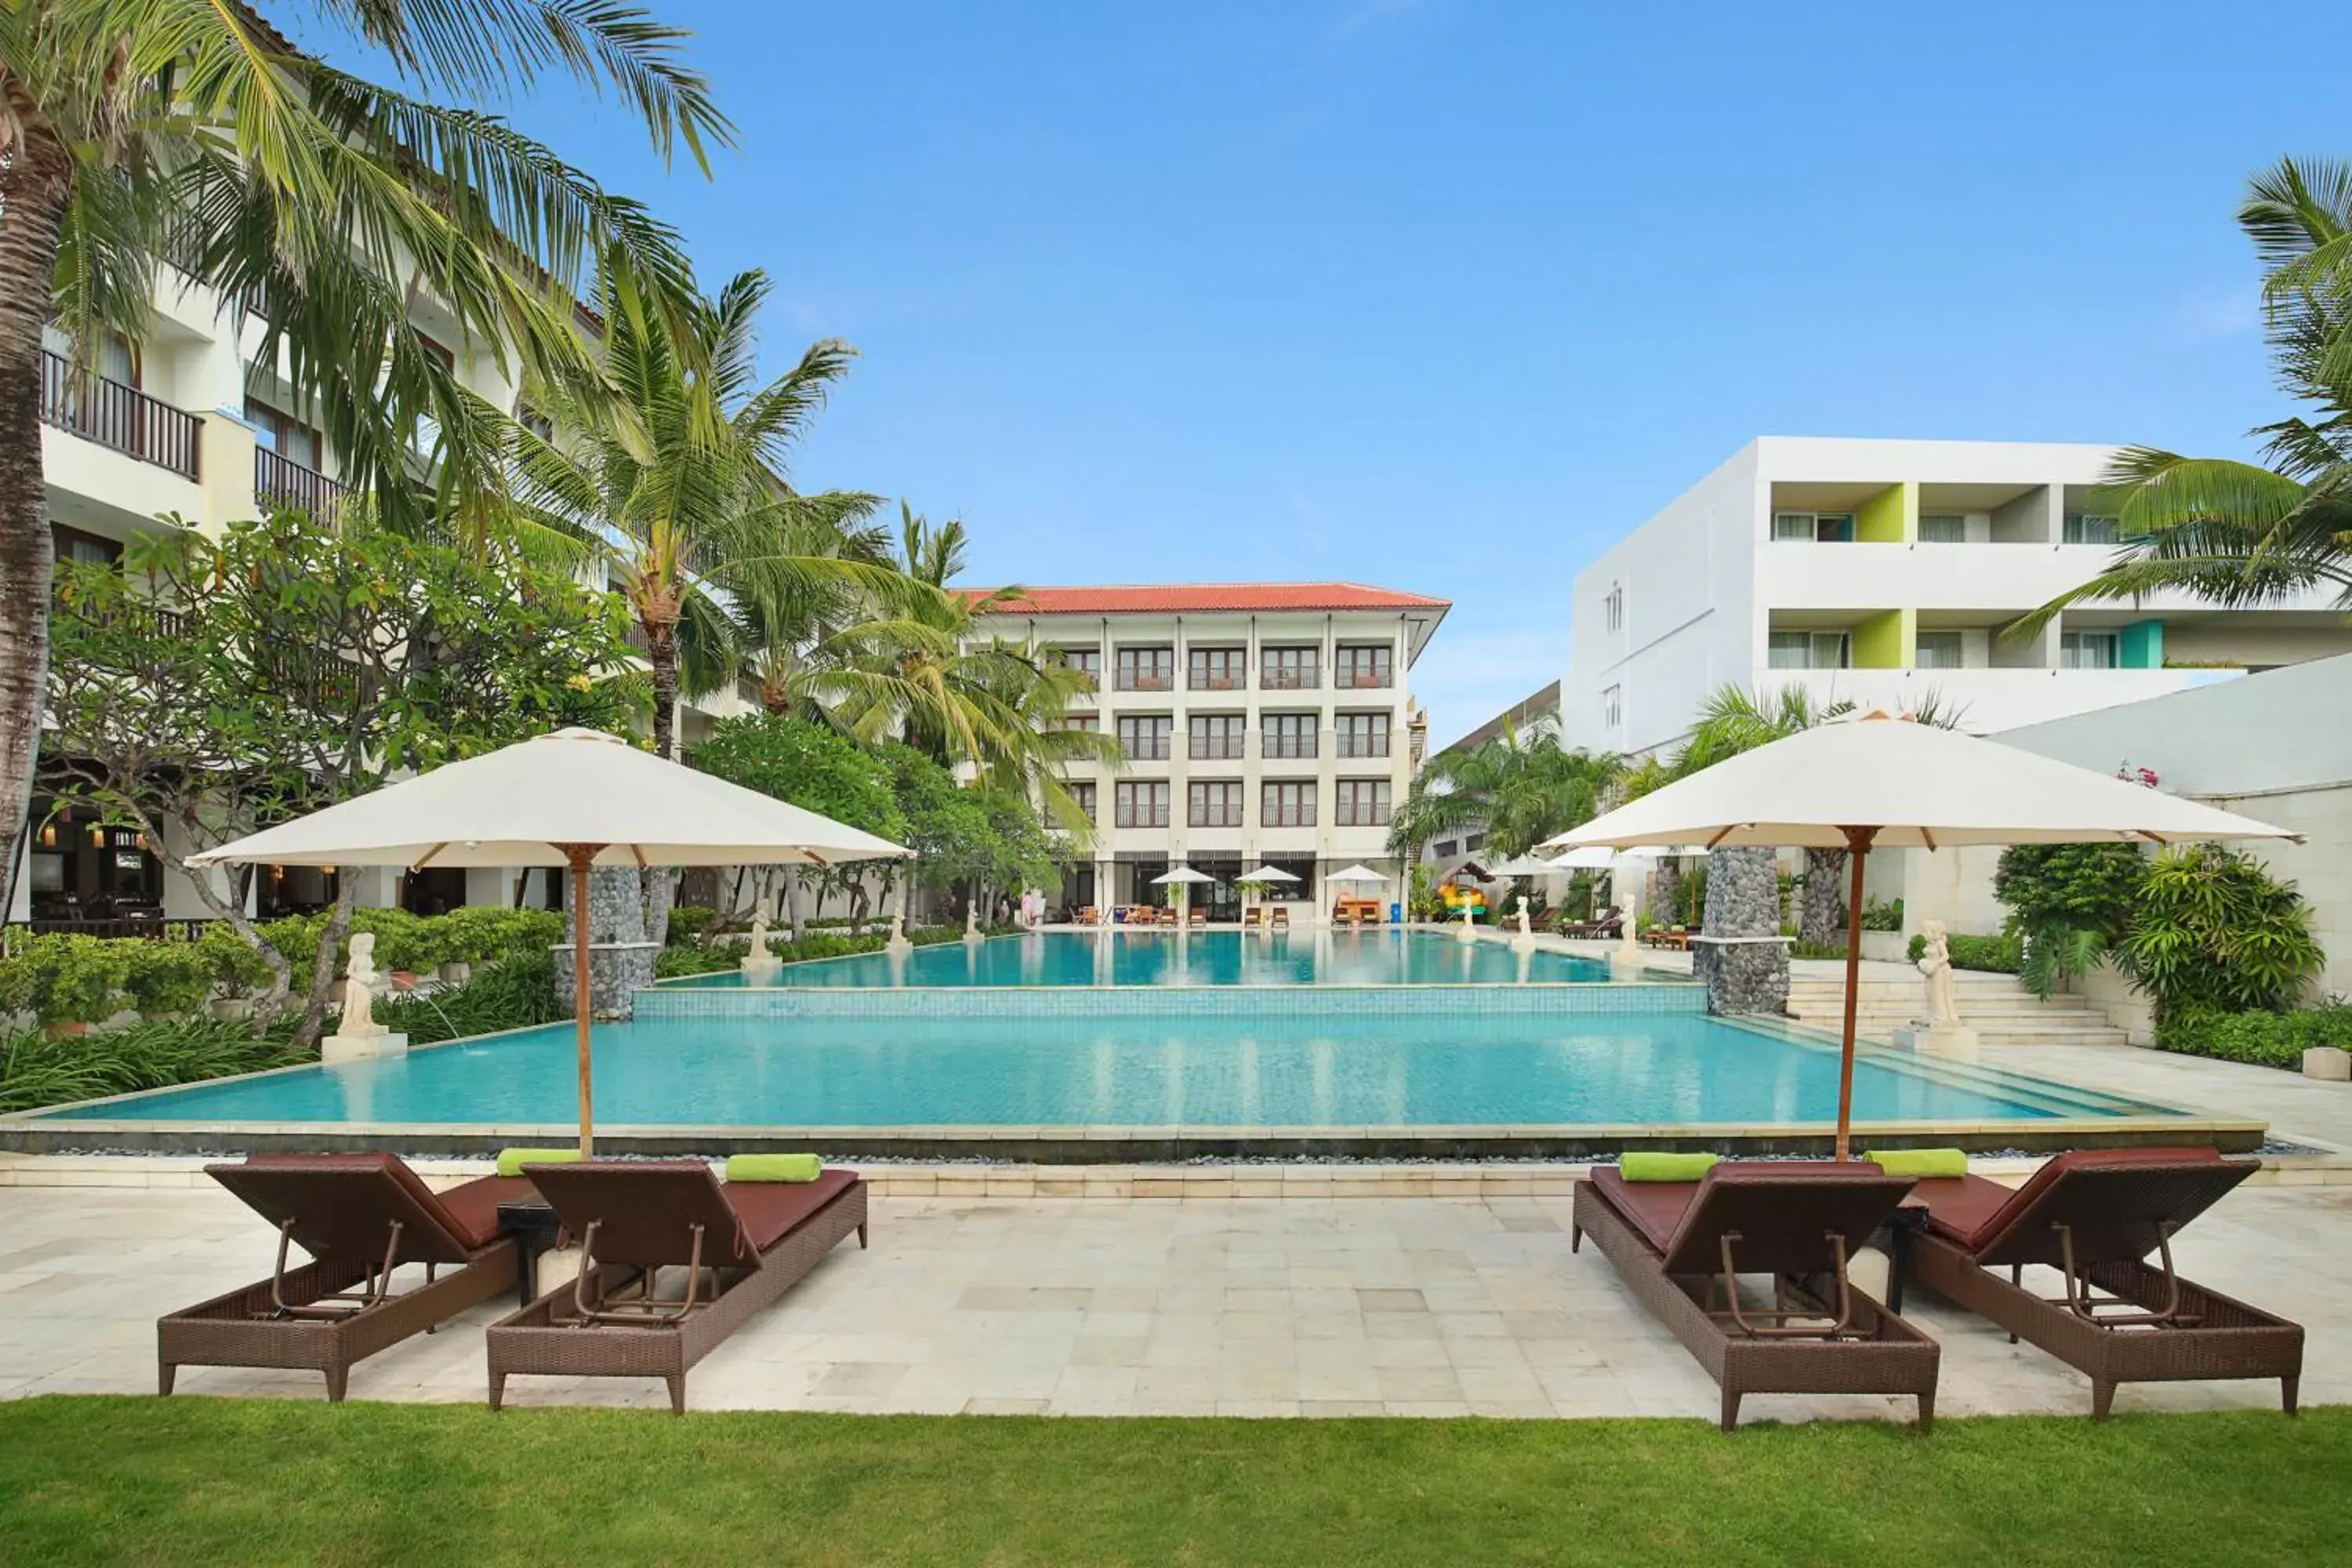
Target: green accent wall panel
(2141, 646)
(1890, 517)
(1885, 641)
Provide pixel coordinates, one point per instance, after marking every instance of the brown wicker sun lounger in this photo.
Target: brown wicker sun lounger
(2094, 1215)
(360, 1217)
(729, 1250)
(1681, 1246)
(1607, 923)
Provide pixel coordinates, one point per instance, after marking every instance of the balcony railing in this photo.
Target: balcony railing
(1288, 746)
(1363, 745)
(1215, 680)
(1147, 681)
(282, 484)
(114, 414)
(1308, 679)
(1145, 748)
(1360, 680)
(1216, 749)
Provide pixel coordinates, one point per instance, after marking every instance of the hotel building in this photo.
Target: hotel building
(1883, 572)
(1261, 722)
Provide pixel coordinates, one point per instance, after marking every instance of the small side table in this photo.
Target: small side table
(536, 1229)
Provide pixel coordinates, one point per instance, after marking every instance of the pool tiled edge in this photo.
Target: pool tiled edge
(667, 1003)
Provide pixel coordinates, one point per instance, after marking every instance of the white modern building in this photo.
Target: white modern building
(1261, 722)
(1883, 572)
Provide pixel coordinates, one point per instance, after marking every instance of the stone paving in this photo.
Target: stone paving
(1224, 1306)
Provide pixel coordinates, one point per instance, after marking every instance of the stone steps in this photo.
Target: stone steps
(1994, 1006)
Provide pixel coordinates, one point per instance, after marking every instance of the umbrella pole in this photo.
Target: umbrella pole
(1857, 844)
(583, 859)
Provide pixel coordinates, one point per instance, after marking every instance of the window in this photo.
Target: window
(1144, 738)
(438, 350)
(1362, 734)
(1612, 608)
(1146, 669)
(1362, 667)
(1818, 527)
(2086, 528)
(1218, 736)
(1475, 842)
(1086, 661)
(1081, 721)
(73, 544)
(2087, 650)
(1083, 795)
(283, 434)
(1287, 802)
(1808, 650)
(1612, 707)
(1140, 803)
(1443, 850)
(1215, 802)
(1943, 531)
(1290, 668)
(1363, 803)
(1940, 651)
(1289, 735)
(1216, 669)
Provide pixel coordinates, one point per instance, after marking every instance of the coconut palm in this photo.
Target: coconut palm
(1521, 789)
(134, 128)
(668, 463)
(2244, 535)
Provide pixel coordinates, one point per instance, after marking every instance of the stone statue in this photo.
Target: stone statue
(1935, 963)
(359, 991)
(971, 922)
(1526, 929)
(898, 945)
(1468, 933)
(760, 954)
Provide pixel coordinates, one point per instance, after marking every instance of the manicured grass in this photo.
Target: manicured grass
(208, 1480)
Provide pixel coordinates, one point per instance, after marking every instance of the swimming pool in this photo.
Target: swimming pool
(1136, 1073)
(1119, 956)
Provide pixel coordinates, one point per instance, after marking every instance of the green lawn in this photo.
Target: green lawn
(212, 1481)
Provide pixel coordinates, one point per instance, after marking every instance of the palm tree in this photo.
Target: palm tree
(1520, 789)
(668, 466)
(2244, 535)
(133, 127)
(1733, 721)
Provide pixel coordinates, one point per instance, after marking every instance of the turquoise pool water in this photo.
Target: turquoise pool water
(1199, 1070)
(1117, 957)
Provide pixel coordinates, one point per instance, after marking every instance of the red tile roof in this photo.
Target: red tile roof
(1196, 599)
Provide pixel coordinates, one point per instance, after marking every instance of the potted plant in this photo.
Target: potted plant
(236, 970)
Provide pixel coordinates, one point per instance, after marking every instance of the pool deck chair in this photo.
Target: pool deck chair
(2094, 1216)
(361, 1218)
(1279, 918)
(722, 1252)
(1197, 917)
(1682, 1246)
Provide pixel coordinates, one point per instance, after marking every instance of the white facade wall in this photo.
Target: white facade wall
(1702, 586)
(1331, 845)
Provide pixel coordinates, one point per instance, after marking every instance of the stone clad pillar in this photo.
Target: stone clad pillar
(1743, 901)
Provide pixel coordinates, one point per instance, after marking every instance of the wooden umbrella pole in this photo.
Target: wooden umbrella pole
(583, 859)
(1857, 844)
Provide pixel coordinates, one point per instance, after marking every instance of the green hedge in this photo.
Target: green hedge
(62, 979)
(37, 1068)
(1993, 954)
(2266, 1039)
(512, 993)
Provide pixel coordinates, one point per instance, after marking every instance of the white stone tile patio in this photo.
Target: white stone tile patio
(1229, 1306)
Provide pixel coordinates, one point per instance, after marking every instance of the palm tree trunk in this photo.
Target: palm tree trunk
(661, 653)
(1824, 876)
(33, 191)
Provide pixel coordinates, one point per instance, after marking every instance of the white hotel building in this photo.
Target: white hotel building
(1883, 572)
(1261, 722)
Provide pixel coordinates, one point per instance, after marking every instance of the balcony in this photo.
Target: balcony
(1205, 680)
(1307, 679)
(117, 415)
(281, 484)
(1361, 680)
(1288, 747)
(1147, 681)
(1363, 746)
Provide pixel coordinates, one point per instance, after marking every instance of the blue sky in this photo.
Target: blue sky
(1446, 295)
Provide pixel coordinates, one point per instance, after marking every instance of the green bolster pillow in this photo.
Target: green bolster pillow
(1919, 1163)
(512, 1160)
(1665, 1167)
(773, 1167)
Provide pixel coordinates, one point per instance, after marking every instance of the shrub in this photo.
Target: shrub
(2083, 887)
(236, 964)
(1878, 916)
(37, 1069)
(2212, 931)
(687, 922)
(2003, 954)
(512, 993)
(2264, 1039)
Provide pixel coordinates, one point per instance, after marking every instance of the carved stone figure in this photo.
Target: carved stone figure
(1935, 963)
(359, 991)
(1525, 930)
(760, 954)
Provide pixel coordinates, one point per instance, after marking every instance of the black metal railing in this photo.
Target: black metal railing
(281, 484)
(154, 927)
(118, 415)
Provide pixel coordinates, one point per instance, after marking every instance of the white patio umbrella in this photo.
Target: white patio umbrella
(1886, 783)
(1183, 876)
(1264, 877)
(1637, 863)
(1356, 873)
(575, 798)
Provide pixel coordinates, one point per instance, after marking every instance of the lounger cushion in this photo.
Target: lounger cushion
(773, 1210)
(1919, 1162)
(1974, 1219)
(1655, 1209)
(473, 1206)
(1660, 1166)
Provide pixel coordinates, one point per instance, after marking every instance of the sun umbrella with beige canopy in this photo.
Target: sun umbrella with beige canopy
(1875, 781)
(1265, 877)
(1183, 879)
(575, 798)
